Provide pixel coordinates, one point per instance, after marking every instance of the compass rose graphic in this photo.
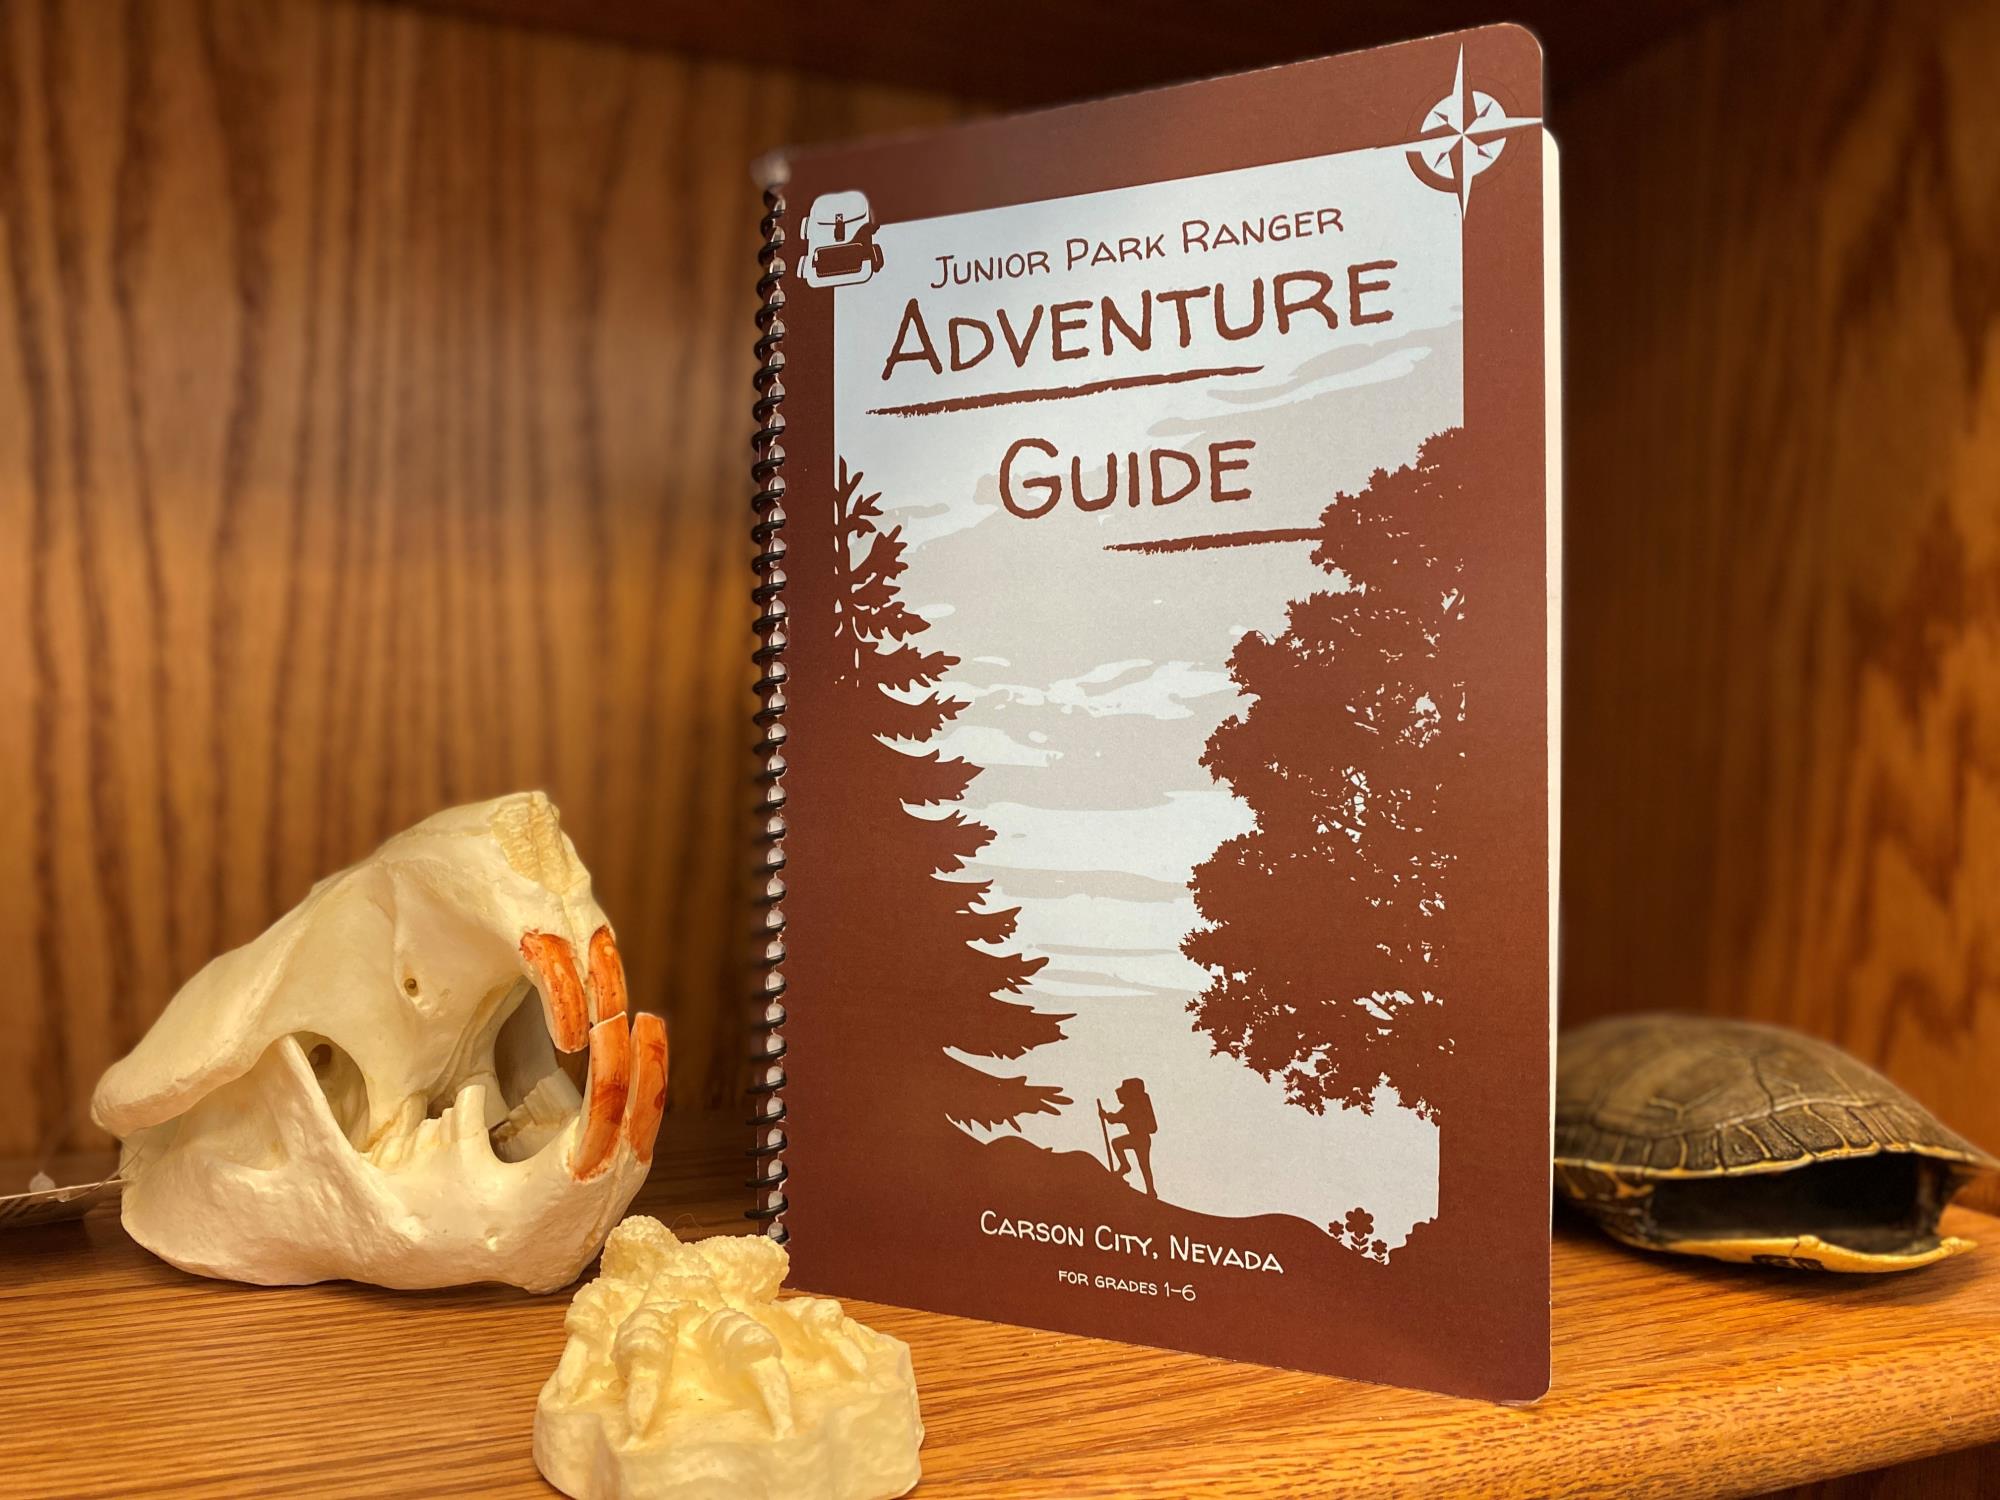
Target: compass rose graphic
(1463, 134)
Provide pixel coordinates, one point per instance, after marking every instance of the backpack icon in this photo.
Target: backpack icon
(838, 241)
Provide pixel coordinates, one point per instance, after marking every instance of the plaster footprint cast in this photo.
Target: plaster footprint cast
(368, 1091)
(684, 1379)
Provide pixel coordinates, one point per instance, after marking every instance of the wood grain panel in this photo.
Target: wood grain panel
(1782, 770)
(1052, 51)
(1673, 1379)
(374, 388)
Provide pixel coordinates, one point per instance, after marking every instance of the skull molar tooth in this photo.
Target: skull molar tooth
(393, 1141)
(492, 1104)
(468, 1113)
(539, 1118)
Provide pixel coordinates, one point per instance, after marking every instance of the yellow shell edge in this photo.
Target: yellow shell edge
(1805, 1252)
(1791, 1164)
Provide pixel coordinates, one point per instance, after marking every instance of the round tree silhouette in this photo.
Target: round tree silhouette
(1326, 927)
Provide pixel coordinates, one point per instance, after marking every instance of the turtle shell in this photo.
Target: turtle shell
(1751, 1143)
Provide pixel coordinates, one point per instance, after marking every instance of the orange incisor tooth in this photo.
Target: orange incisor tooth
(604, 1094)
(607, 976)
(554, 964)
(648, 1100)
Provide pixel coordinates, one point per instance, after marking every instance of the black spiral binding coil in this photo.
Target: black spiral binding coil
(767, 473)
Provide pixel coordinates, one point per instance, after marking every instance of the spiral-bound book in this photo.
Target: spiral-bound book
(1159, 526)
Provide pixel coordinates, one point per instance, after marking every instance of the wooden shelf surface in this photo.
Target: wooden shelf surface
(121, 1376)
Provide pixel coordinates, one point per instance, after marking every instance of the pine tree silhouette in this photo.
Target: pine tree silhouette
(1346, 755)
(943, 991)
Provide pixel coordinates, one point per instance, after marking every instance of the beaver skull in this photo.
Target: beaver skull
(365, 1091)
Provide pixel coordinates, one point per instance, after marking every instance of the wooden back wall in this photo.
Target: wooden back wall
(374, 395)
(1782, 772)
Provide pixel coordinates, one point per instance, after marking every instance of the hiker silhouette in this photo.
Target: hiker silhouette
(1138, 1124)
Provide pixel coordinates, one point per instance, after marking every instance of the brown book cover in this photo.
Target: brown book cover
(1159, 570)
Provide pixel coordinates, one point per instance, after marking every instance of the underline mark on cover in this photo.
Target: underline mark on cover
(1059, 392)
(1221, 539)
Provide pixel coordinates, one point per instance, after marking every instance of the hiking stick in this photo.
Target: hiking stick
(1109, 1165)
